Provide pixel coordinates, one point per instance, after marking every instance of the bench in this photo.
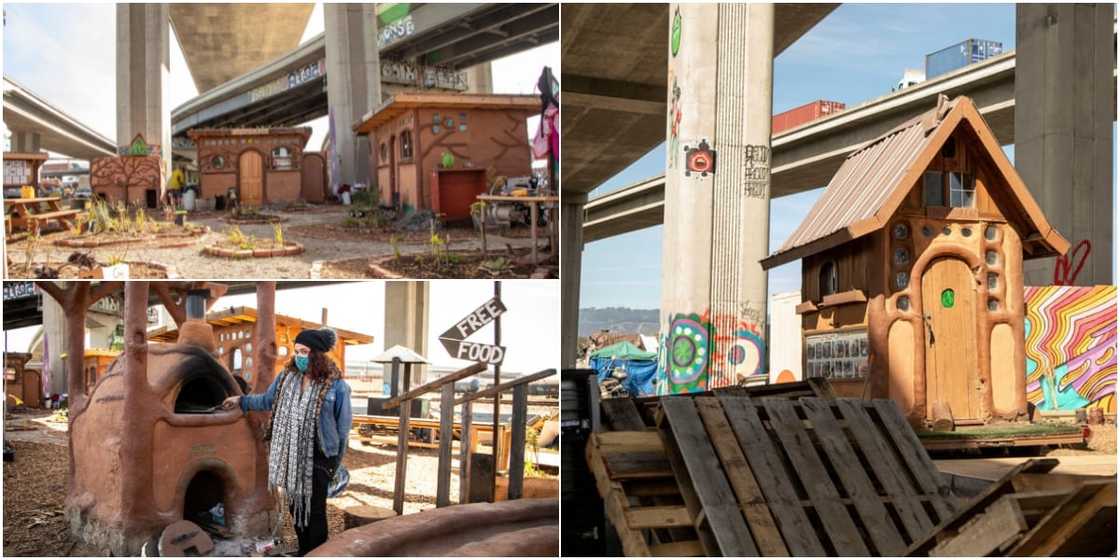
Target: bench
(64, 217)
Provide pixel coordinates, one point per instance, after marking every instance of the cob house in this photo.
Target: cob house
(912, 271)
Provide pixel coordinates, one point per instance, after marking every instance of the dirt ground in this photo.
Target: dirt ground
(35, 487)
(189, 261)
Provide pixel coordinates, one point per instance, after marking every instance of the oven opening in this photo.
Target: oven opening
(200, 395)
(202, 503)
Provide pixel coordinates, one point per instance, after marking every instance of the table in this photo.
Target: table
(533, 202)
(19, 212)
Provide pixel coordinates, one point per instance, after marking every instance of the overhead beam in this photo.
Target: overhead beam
(613, 95)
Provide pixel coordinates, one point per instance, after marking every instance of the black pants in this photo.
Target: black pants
(315, 533)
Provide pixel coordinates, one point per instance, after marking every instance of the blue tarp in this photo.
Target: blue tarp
(640, 373)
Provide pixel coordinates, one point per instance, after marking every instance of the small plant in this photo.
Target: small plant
(395, 243)
(278, 235)
(239, 239)
(141, 220)
(496, 267)
(438, 247)
(29, 248)
(79, 224)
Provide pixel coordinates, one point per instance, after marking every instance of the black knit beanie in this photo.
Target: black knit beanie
(320, 340)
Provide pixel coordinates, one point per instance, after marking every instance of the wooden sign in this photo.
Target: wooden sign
(453, 338)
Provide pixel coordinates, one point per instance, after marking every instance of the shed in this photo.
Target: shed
(263, 165)
(912, 270)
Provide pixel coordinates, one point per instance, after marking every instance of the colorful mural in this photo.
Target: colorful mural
(700, 352)
(1071, 347)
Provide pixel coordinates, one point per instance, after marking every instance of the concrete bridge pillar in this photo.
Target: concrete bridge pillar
(143, 67)
(25, 141)
(571, 263)
(1064, 112)
(353, 85)
(717, 194)
(480, 78)
(54, 333)
(406, 321)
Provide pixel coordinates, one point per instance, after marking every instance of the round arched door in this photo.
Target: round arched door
(251, 178)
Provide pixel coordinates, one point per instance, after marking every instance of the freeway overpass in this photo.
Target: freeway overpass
(427, 46)
(806, 157)
(37, 125)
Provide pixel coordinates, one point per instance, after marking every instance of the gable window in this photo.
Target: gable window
(933, 192)
(406, 145)
(829, 279)
(962, 190)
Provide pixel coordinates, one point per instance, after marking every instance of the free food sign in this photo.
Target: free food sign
(454, 338)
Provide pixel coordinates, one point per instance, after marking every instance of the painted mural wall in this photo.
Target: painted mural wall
(702, 352)
(1071, 347)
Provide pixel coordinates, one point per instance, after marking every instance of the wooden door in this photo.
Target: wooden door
(313, 177)
(949, 304)
(251, 178)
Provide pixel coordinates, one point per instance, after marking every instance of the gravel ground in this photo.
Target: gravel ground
(190, 263)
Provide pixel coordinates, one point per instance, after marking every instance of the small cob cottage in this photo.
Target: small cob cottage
(912, 271)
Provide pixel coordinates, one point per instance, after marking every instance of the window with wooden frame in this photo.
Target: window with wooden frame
(829, 279)
(406, 144)
(949, 182)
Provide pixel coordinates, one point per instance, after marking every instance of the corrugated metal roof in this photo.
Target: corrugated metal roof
(866, 179)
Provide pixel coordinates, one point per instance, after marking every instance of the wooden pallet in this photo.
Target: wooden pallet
(811, 477)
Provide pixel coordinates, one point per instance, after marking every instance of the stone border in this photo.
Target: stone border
(93, 244)
(378, 271)
(291, 248)
(272, 219)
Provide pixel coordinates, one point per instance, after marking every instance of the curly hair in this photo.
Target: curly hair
(318, 366)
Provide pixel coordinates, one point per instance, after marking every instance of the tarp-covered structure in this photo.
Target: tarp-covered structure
(640, 366)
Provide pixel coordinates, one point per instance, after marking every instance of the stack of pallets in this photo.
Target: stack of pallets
(727, 473)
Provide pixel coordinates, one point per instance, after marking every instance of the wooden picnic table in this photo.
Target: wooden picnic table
(533, 202)
(22, 212)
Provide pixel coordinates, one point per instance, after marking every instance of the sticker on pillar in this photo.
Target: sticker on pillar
(687, 359)
(701, 160)
(675, 36)
(756, 168)
(674, 122)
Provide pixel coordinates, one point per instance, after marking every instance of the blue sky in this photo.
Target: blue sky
(855, 54)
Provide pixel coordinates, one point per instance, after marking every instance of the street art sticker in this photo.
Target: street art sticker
(1068, 266)
(674, 123)
(687, 355)
(701, 352)
(756, 172)
(1071, 347)
(675, 35)
(700, 160)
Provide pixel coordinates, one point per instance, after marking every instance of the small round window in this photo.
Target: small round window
(901, 231)
(948, 298)
(217, 162)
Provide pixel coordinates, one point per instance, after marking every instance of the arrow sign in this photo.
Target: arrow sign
(453, 338)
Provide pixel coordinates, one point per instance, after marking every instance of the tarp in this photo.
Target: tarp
(640, 374)
(624, 351)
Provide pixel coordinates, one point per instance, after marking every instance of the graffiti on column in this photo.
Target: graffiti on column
(675, 35)
(686, 350)
(700, 160)
(395, 31)
(674, 121)
(702, 351)
(1068, 266)
(1071, 347)
(756, 171)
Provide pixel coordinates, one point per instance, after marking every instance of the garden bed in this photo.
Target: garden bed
(339, 232)
(452, 264)
(85, 268)
(254, 218)
(260, 250)
(176, 236)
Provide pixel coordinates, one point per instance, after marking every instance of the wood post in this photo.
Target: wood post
(517, 440)
(466, 447)
(446, 421)
(402, 440)
(264, 345)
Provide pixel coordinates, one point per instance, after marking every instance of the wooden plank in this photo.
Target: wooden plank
(949, 527)
(402, 449)
(688, 491)
(446, 419)
(430, 386)
(644, 488)
(842, 531)
(742, 480)
(770, 472)
(716, 498)
(466, 447)
(914, 455)
(678, 549)
(630, 442)
(987, 532)
(638, 464)
(1064, 521)
(622, 414)
(887, 469)
(506, 386)
(658, 517)
(517, 441)
(876, 519)
(614, 502)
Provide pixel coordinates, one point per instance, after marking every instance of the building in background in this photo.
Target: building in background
(955, 57)
(785, 337)
(260, 165)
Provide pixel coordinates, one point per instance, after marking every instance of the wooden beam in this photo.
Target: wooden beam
(446, 419)
(433, 385)
(517, 441)
(506, 386)
(466, 447)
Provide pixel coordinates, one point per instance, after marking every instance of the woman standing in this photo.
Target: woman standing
(311, 421)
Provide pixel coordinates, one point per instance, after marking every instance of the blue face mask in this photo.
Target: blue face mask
(302, 362)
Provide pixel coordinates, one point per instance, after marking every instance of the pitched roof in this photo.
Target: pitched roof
(875, 179)
(242, 315)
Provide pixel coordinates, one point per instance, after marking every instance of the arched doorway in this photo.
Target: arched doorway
(949, 306)
(313, 178)
(251, 177)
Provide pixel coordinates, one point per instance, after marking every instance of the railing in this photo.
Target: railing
(448, 402)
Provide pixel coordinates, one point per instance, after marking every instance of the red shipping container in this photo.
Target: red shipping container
(800, 115)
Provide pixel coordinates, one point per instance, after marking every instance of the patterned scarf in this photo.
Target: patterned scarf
(295, 421)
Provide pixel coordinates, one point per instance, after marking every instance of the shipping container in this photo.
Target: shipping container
(800, 115)
(969, 51)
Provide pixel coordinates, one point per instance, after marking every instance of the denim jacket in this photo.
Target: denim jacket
(335, 418)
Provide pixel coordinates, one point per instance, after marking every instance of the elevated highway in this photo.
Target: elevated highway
(27, 114)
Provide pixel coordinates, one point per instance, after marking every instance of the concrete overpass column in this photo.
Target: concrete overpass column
(480, 78)
(571, 266)
(1064, 114)
(25, 141)
(143, 67)
(353, 83)
(406, 321)
(717, 194)
(54, 333)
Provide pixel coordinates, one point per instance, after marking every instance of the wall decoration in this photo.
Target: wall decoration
(687, 354)
(700, 160)
(675, 35)
(701, 351)
(1071, 347)
(756, 180)
(838, 355)
(674, 123)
